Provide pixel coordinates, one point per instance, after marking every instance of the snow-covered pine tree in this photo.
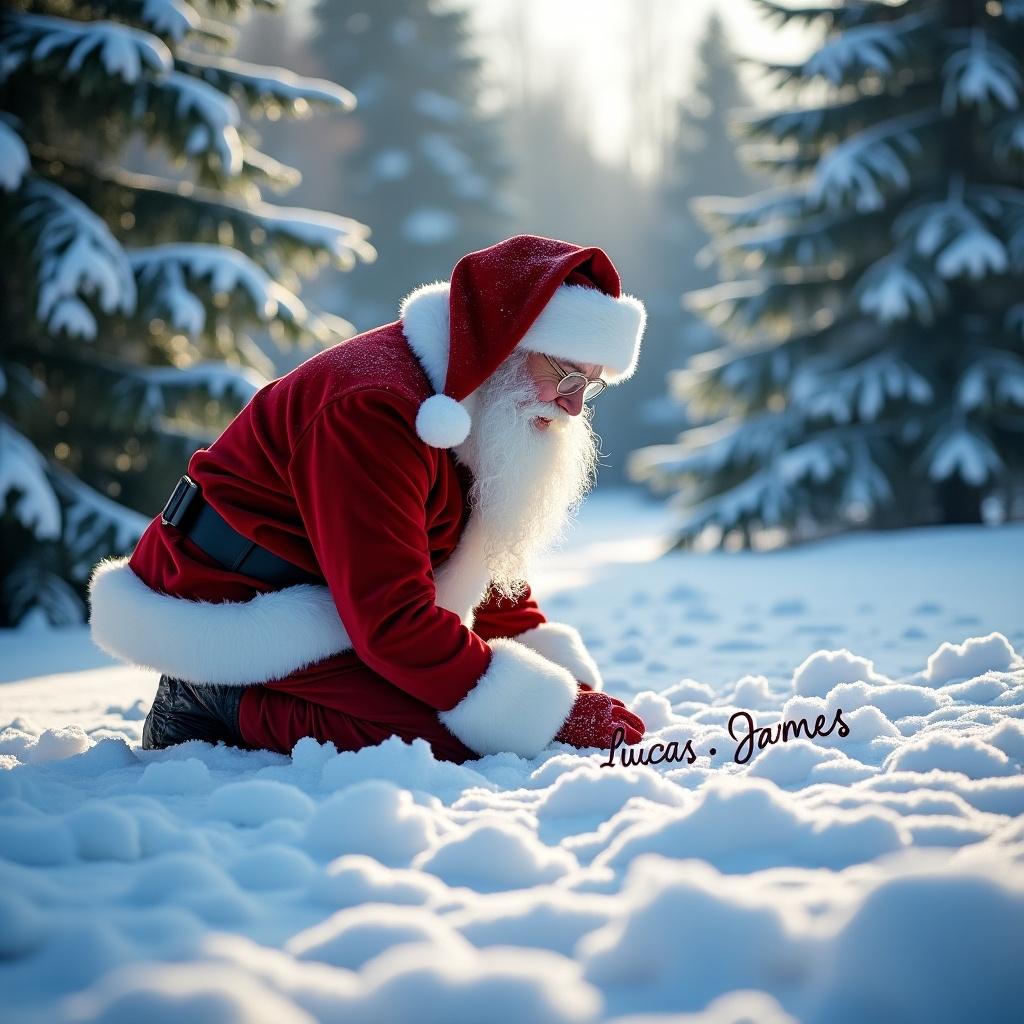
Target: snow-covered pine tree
(425, 167)
(700, 157)
(125, 296)
(873, 372)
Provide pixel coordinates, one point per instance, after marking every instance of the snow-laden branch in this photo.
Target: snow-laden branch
(14, 161)
(167, 274)
(168, 268)
(963, 450)
(955, 236)
(261, 85)
(730, 212)
(980, 74)
(863, 389)
(174, 19)
(120, 51)
(214, 118)
(993, 378)
(893, 289)
(864, 165)
(218, 380)
(76, 256)
(23, 468)
(90, 518)
(878, 48)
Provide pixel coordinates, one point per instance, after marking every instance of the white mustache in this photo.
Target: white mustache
(547, 410)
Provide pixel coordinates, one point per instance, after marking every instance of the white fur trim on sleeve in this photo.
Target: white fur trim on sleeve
(517, 705)
(562, 644)
(239, 643)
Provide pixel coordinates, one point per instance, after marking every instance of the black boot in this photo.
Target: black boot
(187, 711)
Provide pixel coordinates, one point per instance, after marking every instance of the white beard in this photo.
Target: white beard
(527, 482)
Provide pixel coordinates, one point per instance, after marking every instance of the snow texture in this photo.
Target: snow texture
(14, 162)
(77, 258)
(834, 879)
(123, 52)
(22, 468)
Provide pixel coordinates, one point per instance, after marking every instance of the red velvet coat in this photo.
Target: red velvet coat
(324, 467)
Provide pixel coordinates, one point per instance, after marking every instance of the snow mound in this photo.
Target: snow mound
(968, 754)
(974, 656)
(819, 672)
(495, 855)
(373, 817)
(258, 801)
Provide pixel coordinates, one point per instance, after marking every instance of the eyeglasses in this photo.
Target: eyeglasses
(571, 382)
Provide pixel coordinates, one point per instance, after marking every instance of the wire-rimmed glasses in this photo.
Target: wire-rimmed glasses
(572, 381)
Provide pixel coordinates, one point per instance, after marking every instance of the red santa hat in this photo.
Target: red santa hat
(540, 294)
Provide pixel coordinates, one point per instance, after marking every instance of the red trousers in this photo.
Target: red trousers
(341, 700)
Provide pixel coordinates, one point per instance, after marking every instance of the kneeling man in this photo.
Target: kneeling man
(349, 559)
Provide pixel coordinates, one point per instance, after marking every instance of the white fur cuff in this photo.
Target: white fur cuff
(239, 643)
(517, 705)
(562, 644)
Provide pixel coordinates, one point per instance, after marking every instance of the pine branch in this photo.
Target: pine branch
(265, 88)
(23, 469)
(64, 48)
(879, 49)
(74, 257)
(279, 238)
(847, 14)
(14, 160)
(169, 275)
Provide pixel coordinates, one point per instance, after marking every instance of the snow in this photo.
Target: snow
(124, 52)
(172, 18)
(963, 450)
(225, 270)
(860, 165)
(214, 116)
(77, 257)
(229, 74)
(891, 290)
(980, 74)
(14, 161)
(877, 875)
(863, 48)
(22, 468)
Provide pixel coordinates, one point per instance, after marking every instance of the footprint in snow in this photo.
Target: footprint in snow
(737, 645)
(701, 615)
(683, 640)
(793, 606)
(628, 653)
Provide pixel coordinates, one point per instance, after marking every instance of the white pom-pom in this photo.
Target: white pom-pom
(442, 422)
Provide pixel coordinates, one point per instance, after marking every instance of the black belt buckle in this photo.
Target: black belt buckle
(177, 504)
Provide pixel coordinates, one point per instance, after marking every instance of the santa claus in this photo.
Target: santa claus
(349, 559)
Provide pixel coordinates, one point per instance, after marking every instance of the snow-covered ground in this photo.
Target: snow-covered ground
(871, 876)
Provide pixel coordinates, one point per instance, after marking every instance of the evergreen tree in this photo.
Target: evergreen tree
(125, 296)
(700, 157)
(424, 166)
(873, 373)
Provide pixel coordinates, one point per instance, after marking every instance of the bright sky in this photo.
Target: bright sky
(625, 63)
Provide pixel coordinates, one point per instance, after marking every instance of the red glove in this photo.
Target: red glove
(594, 718)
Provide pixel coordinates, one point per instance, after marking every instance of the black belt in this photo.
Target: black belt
(187, 510)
